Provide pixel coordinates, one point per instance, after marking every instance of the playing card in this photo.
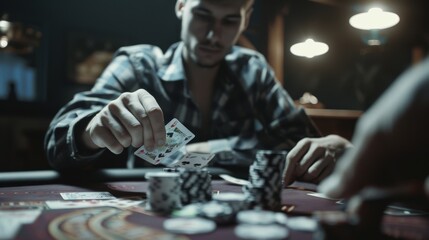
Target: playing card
(177, 136)
(194, 160)
(11, 221)
(117, 202)
(321, 195)
(86, 195)
(74, 204)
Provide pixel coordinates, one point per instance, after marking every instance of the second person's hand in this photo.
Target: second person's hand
(313, 159)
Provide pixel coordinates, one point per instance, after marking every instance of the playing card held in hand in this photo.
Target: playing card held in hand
(194, 160)
(177, 136)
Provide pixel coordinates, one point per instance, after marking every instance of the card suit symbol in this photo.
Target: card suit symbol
(164, 197)
(170, 134)
(197, 165)
(161, 155)
(186, 162)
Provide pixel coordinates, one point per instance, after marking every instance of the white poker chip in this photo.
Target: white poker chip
(189, 225)
(306, 224)
(260, 217)
(268, 231)
(229, 197)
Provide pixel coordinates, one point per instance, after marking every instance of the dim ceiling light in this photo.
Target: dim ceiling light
(375, 18)
(309, 48)
(4, 25)
(3, 42)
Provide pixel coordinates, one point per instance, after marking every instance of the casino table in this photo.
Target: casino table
(31, 190)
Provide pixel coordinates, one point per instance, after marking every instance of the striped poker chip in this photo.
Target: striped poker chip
(189, 225)
(254, 231)
(170, 170)
(196, 185)
(265, 180)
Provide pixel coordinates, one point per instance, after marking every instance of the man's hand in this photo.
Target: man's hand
(312, 159)
(133, 119)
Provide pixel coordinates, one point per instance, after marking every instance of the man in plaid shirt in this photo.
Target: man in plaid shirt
(226, 95)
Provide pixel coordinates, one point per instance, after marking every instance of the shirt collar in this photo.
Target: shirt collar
(172, 68)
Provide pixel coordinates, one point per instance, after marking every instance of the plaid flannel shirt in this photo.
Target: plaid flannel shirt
(250, 109)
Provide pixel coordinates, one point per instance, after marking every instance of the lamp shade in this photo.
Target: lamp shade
(309, 48)
(374, 19)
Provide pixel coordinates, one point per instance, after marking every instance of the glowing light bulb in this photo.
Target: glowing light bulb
(374, 19)
(309, 48)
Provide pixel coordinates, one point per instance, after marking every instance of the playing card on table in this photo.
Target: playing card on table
(117, 202)
(86, 195)
(194, 160)
(177, 137)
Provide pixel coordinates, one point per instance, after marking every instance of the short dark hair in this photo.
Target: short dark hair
(250, 2)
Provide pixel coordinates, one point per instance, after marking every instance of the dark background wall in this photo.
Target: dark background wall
(23, 124)
(352, 75)
(125, 21)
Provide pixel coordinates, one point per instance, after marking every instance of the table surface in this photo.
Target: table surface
(34, 196)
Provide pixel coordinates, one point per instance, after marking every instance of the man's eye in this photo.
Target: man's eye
(203, 16)
(231, 21)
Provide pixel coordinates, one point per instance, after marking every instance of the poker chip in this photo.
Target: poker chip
(236, 200)
(268, 231)
(163, 193)
(195, 186)
(189, 226)
(170, 170)
(229, 197)
(221, 213)
(260, 217)
(190, 210)
(265, 180)
(305, 224)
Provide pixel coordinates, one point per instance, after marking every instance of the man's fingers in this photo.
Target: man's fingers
(299, 150)
(289, 172)
(320, 168)
(314, 152)
(292, 159)
(314, 170)
(325, 173)
(148, 139)
(156, 119)
(116, 128)
(125, 110)
(105, 139)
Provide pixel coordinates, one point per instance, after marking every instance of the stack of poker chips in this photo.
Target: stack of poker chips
(196, 185)
(265, 180)
(163, 194)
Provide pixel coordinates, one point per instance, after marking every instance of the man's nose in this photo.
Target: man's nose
(214, 33)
